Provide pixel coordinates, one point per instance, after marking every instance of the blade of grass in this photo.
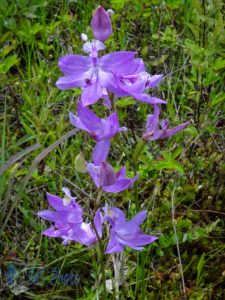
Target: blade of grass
(33, 166)
(3, 140)
(17, 157)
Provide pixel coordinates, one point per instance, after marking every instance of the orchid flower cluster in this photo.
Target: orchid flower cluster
(119, 74)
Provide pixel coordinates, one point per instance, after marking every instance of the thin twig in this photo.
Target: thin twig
(208, 211)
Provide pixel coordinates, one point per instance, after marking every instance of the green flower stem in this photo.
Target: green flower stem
(100, 248)
(118, 141)
(98, 200)
(139, 148)
(100, 254)
(111, 97)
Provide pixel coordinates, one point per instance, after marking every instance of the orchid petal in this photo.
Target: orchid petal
(98, 220)
(90, 47)
(153, 120)
(92, 92)
(53, 232)
(101, 151)
(111, 125)
(74, 64)
(70, 82)
(148, 99)
(107, 174)
(164, 124)
(113, 246)
(144, 239)
(57, 216)
(118, 186)
(118, 216)
(138, 219)
(90, 120)
(116, 61)
(121, 174)
(94, 172)
(174, 130)
(154, 81)
(76, 121)
(55, 202)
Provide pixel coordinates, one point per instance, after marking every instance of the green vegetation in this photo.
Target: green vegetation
(181, 179)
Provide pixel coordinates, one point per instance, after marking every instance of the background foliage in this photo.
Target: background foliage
(184, 40)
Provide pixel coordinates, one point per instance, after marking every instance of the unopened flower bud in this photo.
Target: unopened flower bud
(110, 12)
(84, 37)
(80, 164)
(101, 24)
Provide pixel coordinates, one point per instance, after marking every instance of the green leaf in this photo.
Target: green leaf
(9, 62)
(218, 99)
(194, 29)
(219, 64)
(169, 164)
(192, 131)
(200, 267)
(29, 15)
(118, 4)
(125, 102)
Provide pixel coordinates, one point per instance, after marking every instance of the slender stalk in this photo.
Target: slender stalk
(103, 271)
(137, 272)
(101, 249)
(143, 284)
(118, 141)
(101, 258)
(139, 148)
(111, 97)
(98, 200)
(178, 248)
(136, 190)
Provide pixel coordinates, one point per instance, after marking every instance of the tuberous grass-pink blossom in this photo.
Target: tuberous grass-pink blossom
(108, 180)
(68, 221)
(156, 130)
(126, 233)
(101, 130)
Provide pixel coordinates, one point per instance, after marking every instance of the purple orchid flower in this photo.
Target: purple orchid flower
(86, 234)
(101, 130)
(126, 233)
(68, 220)
(154, 132)
(92, 73)
(135, 84)
(101, 24)
(119, 72)
(108, 180)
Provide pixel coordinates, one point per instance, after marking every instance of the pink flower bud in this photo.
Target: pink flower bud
(84, 37)
(101, 24)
